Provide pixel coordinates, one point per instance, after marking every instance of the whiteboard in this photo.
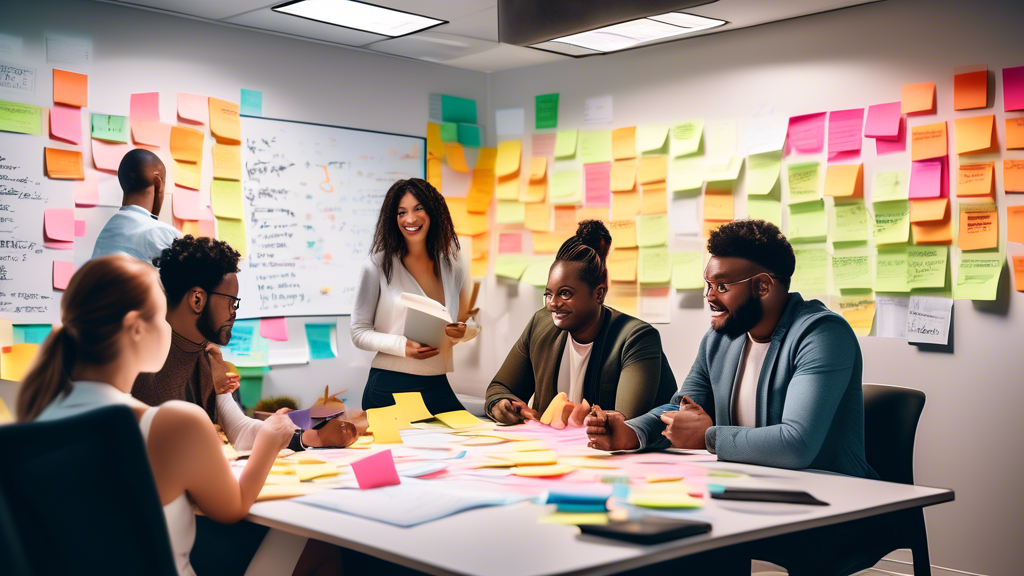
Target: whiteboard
(311, 197)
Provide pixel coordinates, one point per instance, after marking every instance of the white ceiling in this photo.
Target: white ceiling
(469, 40)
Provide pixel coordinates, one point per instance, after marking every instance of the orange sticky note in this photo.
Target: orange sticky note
(1013, 175)
(592, 213)
(538, 217)
(979, 227)
(15, 361)
(623, 233)
(465, 222)
(435, 146)
(710, 226)
(653, 169)
(625, 205)
(565, 219)
(1018, 273)
(64, 164)
(481, 190)
(188, 174)
(623, 175)
(937, 232)
(624, 143)
(548, 242)
(622, 264)
(508, 187)
(537, 188)
(928, 209)
(538, 168)
(434, 172)
(481, 245)
(970, 90)
(1015, 224)
(845, 180)
(70, 88)
(1014, 133)
(186, 144)
(918, 98)
(975, 135)
(486, 159)
(227, 162)
(976, 179)
(929, 141)
(456, 157)
(62, 272)
(224, 121)
(655, 199)
(718, 207)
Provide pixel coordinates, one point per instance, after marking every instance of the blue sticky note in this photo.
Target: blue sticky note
(320, 342)
(252, 103)
(242, 336)
(31, 333)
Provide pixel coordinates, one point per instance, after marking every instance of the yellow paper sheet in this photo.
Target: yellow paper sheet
(509, 154)
(459, 419)
(188, 174)
(383, 422)
(542, 471)
(481, 191)
(465, 222)
(575, 518)
(434, 172)
(310, 471)
(435, 146)
(653, 169)
(554, 409)
(456, 157)
(538, 217)
(224, 121)
(541, 458)
(548, 242)
(859, 311)
(538, 168)
(186, 144)
(411, 406)
(15, 361)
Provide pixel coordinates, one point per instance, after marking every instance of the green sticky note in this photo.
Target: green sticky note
(926, 266)
(686, 174)
(511, 266)
(320, 338)
(654, 265)
(811, 273)
(686, 137)
(688, 270)
(725, 170)
(536, 272)
(804, 185)
(851, 267)
(890, 186)
(250, 390)
(22, 118)
(31, 333)
(510, 212)
(226, 199)
(891, 268)
(595, 146)
(459, 110)
(566, 187)
(251, 103)
(851, 222)
(565, 143)
(547, 111)
(469, 135)
(763, 172)
(808, 222)
(652, 139)
(449, 132)
(111, 128)
(892, 221)
(652, 230)
(977, 275)
(247, 347)
(765, 208)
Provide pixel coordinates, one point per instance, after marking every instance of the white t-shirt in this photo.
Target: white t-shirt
(744, 403)
(573, 369)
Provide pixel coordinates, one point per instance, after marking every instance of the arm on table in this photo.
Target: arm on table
(514, 379)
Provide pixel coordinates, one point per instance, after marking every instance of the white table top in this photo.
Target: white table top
(507, 540)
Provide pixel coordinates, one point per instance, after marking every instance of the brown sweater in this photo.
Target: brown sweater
(627, 370)
(186, 375)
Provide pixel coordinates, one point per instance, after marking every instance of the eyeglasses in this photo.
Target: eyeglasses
(236, 301)
(563, 295)
(723, 287)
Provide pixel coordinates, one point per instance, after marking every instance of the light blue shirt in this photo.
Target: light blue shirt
(135, 232)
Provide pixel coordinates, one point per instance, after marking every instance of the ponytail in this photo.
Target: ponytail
(588, 248)
(49, 376)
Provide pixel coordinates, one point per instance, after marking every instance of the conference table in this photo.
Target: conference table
(508, 540)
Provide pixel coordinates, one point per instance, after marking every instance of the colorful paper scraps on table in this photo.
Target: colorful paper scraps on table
(376, 470)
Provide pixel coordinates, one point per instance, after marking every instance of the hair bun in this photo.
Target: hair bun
(594, 234)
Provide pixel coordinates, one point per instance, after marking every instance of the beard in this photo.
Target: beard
(218, 335)
(746, 317)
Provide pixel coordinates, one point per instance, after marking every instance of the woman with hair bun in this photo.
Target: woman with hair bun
(578, 346)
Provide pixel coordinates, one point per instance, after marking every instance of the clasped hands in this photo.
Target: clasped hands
(684, 428)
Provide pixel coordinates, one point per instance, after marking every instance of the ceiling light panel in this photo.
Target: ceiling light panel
(359, 16)
(639, 32)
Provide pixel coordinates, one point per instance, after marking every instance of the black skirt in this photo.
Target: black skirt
(436, 391)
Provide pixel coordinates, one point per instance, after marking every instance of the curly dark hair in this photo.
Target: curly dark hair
(442, 243)
(593, 233)
(757, 241)
(588, 248)
(190, 262)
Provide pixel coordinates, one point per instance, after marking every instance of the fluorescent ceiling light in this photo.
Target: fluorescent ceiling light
(359, 16)
(640, 31)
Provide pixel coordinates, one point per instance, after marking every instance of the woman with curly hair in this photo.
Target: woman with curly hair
(414, 250)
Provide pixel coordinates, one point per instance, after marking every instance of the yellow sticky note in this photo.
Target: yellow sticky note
(595, 147)
(508, 187)
(538, 217)
(224, 121)
(663, 499)
(575, 518)
(548, 242)
(435, 146)
(979, 227)
(486, 159)
(625, 205)
(623, 175)
(481, 191)
(538, 168)
(653, 169)
(623, 233)
(509, 154)
(459, 419)
(232, 231)
(281, 480)
(976, 135)
(859, 311)
(585, 462)
(844, 180)
(519, 445)
(411, 406)
(456, 157)
(655, 199)
(383, 422)
(510, 212)
(718, 206)
(566, 187)
(652, 230)
(536, 191)
(654, 265)
(465, 222)
(309, 471)
(622, 264)
(227, 162)
(976, 179)
(554, 408)
(919, 97)
(534, 458)
(6, 332)
(188, 174)
(15, 361)
(226, 199)
(928, 209)
(434, 172)
(928, 141)
(624, 143)
(542, 471)
(186, 144)
(565, 143)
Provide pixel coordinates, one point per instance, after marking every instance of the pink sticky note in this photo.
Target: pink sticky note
(926, 179)
(544, 145)
(145, 106)
(844, 130)
(1013, 88)
(598, 183)
(883, 121)
(806, 133)
(66, 123)
(207, 228)
(59, 224)
(899, 144)
(844, 156)
(185, 203)
(194, 108)
(107, 155)
(510, 243)
(53, 245)
(376, 471)
(62, 272)
(79, 228)
(274, 329)
(151, 133)
(86, 192)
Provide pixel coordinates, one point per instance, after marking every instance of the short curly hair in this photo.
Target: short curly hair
(757, 241)
(191, 262)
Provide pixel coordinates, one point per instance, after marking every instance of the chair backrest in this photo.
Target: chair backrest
(79, 496)
(891, 414)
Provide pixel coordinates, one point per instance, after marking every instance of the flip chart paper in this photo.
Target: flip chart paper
(926, 266)
(844, 130)
(455, 109)
(928, 320)
(686, 137)
(688, 270)
(1013, 88)
(844, 180)
(926, 179)
(975, 135)
(807, 133)
(970, 89)
(64, 164)
(891, 272)
(928, 141)
(851, 267)
(976, 179)
(977, 276)
(22, 118)
(194, 108)
(918, 98)
(883, 121)
(376, 471)
(110, 128)
(892, 221)
(654, 265)
(979, 227)
(66, 123)
(803, 182)
(890, 186)
(547, 111)
(763, 172)
(807, 221)
(70, 88)
(652, 230)
(851, 222)
(224, 122)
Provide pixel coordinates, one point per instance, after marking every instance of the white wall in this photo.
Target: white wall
(969, 437)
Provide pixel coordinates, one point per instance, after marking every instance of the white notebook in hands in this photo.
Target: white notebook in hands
(425, 319)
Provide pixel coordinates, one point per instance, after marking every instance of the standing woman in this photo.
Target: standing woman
(414, 250)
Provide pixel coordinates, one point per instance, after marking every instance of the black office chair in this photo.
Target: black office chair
(77, 497)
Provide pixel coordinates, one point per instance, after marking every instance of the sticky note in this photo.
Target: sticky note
(1013, 88)
(1015, 224)
(883, 121)
(227, 162)
(306, 472)
(565, 219)
(536, 272)
(687, 270)
(538, 217)
(844, 180)
(937, 232)
(22, 118)
(891, 268)
(723, 169)
(6, 333)
(70, 88)
(654, 199)
(652, 230)
(456, 157)
(979, 227)
(62, 272)
(652, 139)
(224, 122)
(455, 109)
(918, 98)
(975, 135)
(376, 471)
(844, 130)
(810, 274)
(765, 208)
(193, 108)
(542, 471)
(79, 228)
(970, 89)
(411, 406)
(624, 143)
(232, 231)
(928, 141)
(435, 146)
(274, 329)
(251, 102)
(509, 154)
(66, 123)
(597, 183)
(625, 205)
(145, 106)
(465, 222)
(546, 111)
(565, 144)
(554, 408)
(595, 146)
(383, 422)
(654, 265)
(851, 222)
(623, 233)
(926, 179)
(1018, 273)
(892, 221)
(566, 187)
(86, 192)
(108, 156)
(458, 419)
(110, 128)
(449, 132)
(652, 169)
(470, 135)
(512, 266)
(686, 137)
(763, 172)
(803, 182)
(64, 164)
(718, 206)
(510, 243)
(226, 199)
(851, 267)
(321, 340)
(538, 167)
(575, 518)
(890, 186)
(186, 144)
(806, 133)
(434, 171)
(976, 179)
(623, 175)
(15, 361)
(977, 276)
(929, 209)
(897, 145)
(151, 133)
(659, 499)
(808, 221)
(1014, 133)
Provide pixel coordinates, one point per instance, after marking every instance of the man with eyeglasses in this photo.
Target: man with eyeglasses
(777, 379)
